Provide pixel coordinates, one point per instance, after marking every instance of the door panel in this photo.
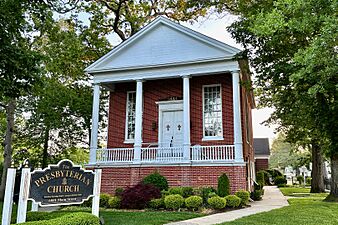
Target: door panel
(172, 129)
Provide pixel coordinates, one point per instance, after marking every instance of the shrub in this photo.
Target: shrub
(77, 218)
(205, 193)
(187, 192)
(274, 173)
(138, 196)
(193, 202)
(157, 180)
(257, 195)
(87, 203)
(300, 179)
(176, 191)
(223, 188)
(260, 178)
(266, 177)
(164, 193)
(118, 191)
(114, 202)
(173, 201)
(104, 198)
(156, 203)
(244, 196)
(280, 180)
(308, 180)
(217, 202)
(212, 194)
(233, 201)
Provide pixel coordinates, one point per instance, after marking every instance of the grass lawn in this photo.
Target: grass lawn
(301, 211)
(300, 192)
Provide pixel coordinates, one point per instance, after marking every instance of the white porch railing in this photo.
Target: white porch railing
(167, 154)
(213, 153)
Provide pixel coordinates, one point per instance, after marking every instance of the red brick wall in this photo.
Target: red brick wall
(163, 89)
(261, 164)
(195, 176)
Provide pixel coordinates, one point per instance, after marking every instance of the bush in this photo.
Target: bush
(217, 202)
(233, 201)
(87, 203)
(173, 201)
(193, 202)
(212, 194)
(156, 203)
(205, 193)
(157, 180)
(77, 218)
(164, 193)
(308, 180)
(176, 191)
(257, 195)
(300, 179)
(114, 202)
(138, 196)
(223, 187)
(260, 179)
(187, 192)
(118, 191)
(104, 198)
(280, 181)
(274, 173)
(244, 196)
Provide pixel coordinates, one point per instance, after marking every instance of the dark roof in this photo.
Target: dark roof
(261, 146)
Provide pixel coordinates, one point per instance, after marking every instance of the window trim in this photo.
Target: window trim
(212, 138)
(126, 139)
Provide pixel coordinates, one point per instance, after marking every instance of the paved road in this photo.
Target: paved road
(272, 199)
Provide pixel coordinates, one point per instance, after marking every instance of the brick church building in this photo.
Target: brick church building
(180, 103)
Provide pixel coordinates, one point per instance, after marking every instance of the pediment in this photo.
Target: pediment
(161, 43)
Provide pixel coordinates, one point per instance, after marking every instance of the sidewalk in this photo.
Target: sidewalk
(272, 199)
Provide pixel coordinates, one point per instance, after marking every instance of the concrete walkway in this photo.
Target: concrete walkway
(272, 199)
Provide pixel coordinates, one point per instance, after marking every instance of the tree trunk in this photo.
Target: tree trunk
(334, 179)
(317, 173)
(45, 149)
(10, 110)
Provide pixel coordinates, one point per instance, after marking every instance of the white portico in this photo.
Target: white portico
(166, 50)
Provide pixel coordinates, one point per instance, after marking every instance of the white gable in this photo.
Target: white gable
(162, 42)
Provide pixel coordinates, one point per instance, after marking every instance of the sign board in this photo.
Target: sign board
(61, 184)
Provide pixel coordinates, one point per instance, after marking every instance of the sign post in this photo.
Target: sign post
(23, 195)
(8, 200)
(96, 198)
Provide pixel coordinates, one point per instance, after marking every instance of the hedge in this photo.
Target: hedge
(173, 201)
(77, 218)
(157, 180)
(244, 196)
(233, 201)
(193, 202)
(217, 202)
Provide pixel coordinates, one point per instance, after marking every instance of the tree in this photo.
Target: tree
(293, 48)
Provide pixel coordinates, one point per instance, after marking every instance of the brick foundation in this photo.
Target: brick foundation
(194, 176)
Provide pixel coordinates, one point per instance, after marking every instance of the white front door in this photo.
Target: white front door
(172, 129)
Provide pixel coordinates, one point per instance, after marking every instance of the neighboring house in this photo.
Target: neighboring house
(176, 106)
(262, 153)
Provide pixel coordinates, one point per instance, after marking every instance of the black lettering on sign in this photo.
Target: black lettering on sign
(61, 184)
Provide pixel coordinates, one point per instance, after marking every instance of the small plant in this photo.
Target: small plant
(217, 202)
(176, 191)
(118, 191)
(173, 201)
(260, 178)
(157, 180)
(257, 195)
(223, 188)
(187, 192)
(138, 196)
(244, 196)
(300, 179)
(104, 198)
(193, 202)
(233, 201)
(308, 181)
(156, 203)
(280, 181)
(205, 193)
(114, 202)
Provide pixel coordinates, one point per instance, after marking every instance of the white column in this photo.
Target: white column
(186, 118)
(138, 121)
(23, 195)
(95, 124)
(8, 200)
(96, 192)
(237, 117)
